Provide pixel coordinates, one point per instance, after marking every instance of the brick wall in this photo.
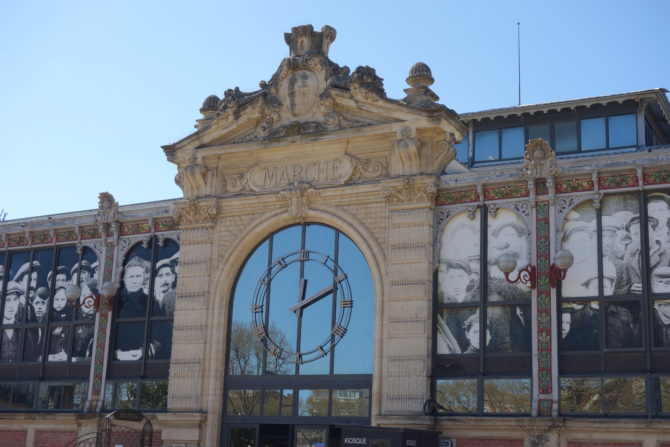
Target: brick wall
(603, 444)
(477, 442)
(13, 438)
(54, 438)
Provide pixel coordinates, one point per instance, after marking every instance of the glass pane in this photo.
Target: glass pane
(623, 325)
(23, 395)
(354, 403)
(540, 131)
(621, 244)
(135, 286)
(663, 394)
(42, 261)
(579, 237)
(313, 402)
(5, 396)
(49, 396)
(68, 258)
(512, 143)
(82, 348)
(458, 271)
(593, 134)
(9, 345)
(246, 352)
(507, 395)
(153, 395)
(486, 145)
(354, 353)
(661, 322)
(622, 130)
(457, 395)
(580, 326)
(18, 281)
(74, 395)
(311, 437)
(509, 328)
(242, 437)
(458, 331)
(462, 150)
(507, 235)
(244, 402)
(129, 341)
(272, 402)
(165, 279)
(658, 214)
(160, 340)
(108, 399)
(580, 395)
(59, 344)
(126, 395)
(61, 311)
(566, 137)
(32, 347)
(13, 307)
(624, 395)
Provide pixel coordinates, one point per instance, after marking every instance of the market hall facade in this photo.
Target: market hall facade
(341, 260)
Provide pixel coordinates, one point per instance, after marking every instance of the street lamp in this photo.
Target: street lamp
(73, 292)
(528, 275)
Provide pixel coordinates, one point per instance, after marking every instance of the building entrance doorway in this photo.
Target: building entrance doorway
(277, 435)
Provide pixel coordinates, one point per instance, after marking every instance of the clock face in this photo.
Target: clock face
(321, 279)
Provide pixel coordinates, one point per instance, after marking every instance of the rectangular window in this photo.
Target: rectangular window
(486, 145)
(566, 137)
(462, 150)
(313, 402)
(507, 396)
(512, 142)
(593, 134)
(353, 403)
(622, 130)
(457, 395)
(540, 131)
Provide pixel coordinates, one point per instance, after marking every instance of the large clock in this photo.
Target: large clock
(336, 288)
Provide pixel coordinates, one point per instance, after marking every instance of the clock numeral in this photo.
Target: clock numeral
(264, 282)
(339, 330)
(346, 303)
(276, 351)
(257, 308)
(303, 255)
(259, 331)
(340, 278)
(322, 351)
(281, 262)
(298, 358)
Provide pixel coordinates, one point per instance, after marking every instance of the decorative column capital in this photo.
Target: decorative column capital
(411, 194)
(196, 213)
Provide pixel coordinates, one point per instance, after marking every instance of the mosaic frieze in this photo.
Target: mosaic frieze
(574, 185)
(135, 228)
(455, 197)
(656, 177)
(618, 181)
(506, 192)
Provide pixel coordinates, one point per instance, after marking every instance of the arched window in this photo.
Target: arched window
(302, 311)
(143, 316)
(483, 322)
(44, 342)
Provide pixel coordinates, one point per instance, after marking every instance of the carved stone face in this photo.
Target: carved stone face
(303, 88)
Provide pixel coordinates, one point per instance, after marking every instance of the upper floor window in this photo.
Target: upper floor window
(589, 134)
(483, 323)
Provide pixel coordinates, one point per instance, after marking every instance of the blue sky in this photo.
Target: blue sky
(90, 90)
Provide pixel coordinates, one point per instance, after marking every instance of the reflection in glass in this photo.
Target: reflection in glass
(311, 437)
(49, 396)
(23, 395)
(66, 396)
(593, 134)
(153, 395)
(540, 131)
(566, 136)
(458, 270)
(512, 142)
(622, 130)
(509, 328)
(457, 395)
(74, 396)
(244, 403)
(624, 395)
(32, 346)
(125, 394)
(313, 402)
(580, 326)
(662, 384)
(486, 145)
(82, 347)
(354, 403)
(242, 436)
(623, 325)
(5, 396)
(580, 395)
(507, 395)
(452, 336)
(59, 344)
(278, 403)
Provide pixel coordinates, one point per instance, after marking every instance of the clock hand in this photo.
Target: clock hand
(312, 299)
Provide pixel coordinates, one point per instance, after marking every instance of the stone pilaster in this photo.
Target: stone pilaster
(187, 369)
(408, 304)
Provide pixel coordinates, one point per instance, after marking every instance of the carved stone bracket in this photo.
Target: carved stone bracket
(410, 193)
(444, 153)
(368, 169)
(191, 179)
(196, 213)
(297, 198)
(405, 158)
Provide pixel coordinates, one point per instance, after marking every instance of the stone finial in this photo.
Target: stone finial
(539, 161)
(419, 80)
(303, 40)
(210, 104)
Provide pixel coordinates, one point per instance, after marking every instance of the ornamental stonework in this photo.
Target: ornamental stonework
(410, 192)
(196, 212)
